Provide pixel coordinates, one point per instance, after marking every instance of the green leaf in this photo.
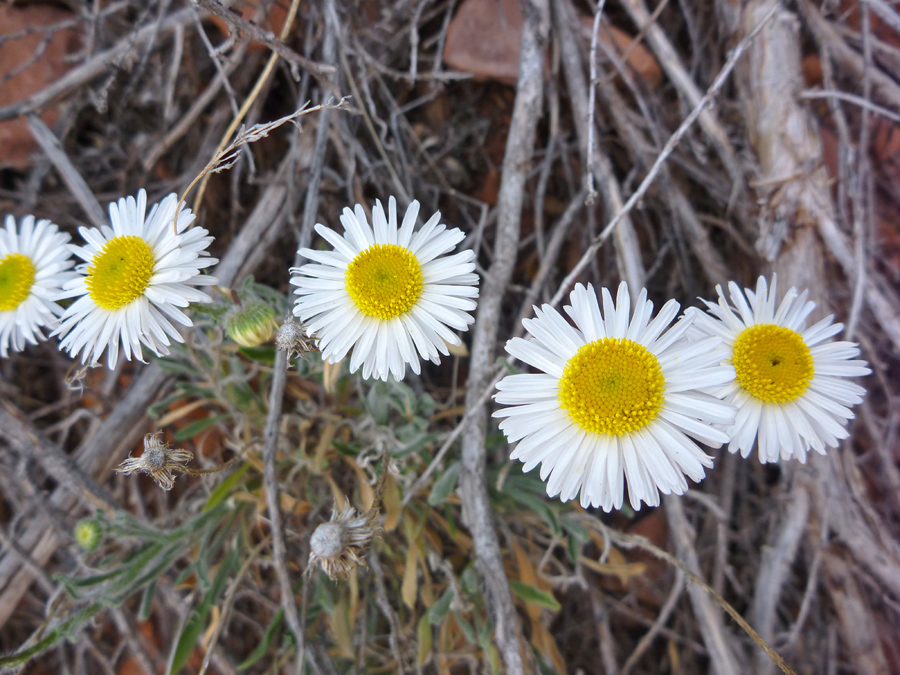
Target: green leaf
(65, 630)
(438, 611)
(573, 548)
(157, 409)
(530, 593)
(538, 506)
(224, 488)
(147, 601)
(195, 428)
(578, 535)
(487, 646)
(193, 627)
(423, 633)
(444, 485)
(467, 628)
(346, 449)
(263, 646)
(177, 367)
(262, 354)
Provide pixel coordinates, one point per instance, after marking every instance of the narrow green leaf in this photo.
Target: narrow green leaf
(423, 633)
(438, 611)
(444, 485)
(193, 627)
(176, 367)
(263, 354)
(467, 628)
(224, 488)
(535, 504)
(195, 428)
(157, 409)
(573, 548)
(147, 601)
(263, 646)
(536, 595)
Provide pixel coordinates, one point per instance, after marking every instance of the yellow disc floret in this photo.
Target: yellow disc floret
(120, 272)
(384, 281)
(772, 363)
(16, 278)
(612, 386)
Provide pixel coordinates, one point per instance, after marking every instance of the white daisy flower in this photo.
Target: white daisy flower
(791, 389)
(386, 293)
(34, 260)
(617, 401)
(135, 277)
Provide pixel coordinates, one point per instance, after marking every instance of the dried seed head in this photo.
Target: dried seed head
(341, 544)
(157, 461)
(292, 338)
(251, 324)
(328, 540)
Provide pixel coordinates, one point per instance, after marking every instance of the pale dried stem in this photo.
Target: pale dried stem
(715, 637)
(477, 513)
(71, 177)
(664, 613)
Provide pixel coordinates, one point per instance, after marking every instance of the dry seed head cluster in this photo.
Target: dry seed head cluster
(291, 337)
(158, 461)
(340, 545)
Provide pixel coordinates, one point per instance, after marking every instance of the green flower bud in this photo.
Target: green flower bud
(251, 324)
(88, 535)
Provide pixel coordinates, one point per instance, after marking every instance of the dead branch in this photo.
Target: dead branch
(477, 513)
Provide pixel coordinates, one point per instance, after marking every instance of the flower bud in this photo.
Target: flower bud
(88, 535)
(251, 324)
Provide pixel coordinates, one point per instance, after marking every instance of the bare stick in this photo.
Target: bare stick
(658, 624)
(592, 105)
(77, 185)
(670, 145)
(775, 567)
(30, 442)
(862, 183)
(270, 439)
(724, 661)
(885, 12)
(854, 99)
(477, 513)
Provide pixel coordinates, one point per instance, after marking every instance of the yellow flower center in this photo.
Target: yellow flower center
(120, 272)
(612, 386)
(16, 278)
(384, 281)
(772, 363)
